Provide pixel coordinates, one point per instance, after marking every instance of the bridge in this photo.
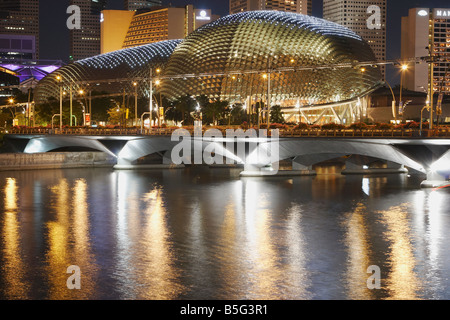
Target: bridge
(259, 153)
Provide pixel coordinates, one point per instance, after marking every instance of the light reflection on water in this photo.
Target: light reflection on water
(206, 234)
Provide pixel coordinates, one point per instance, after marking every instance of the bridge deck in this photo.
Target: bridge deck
(443, 132)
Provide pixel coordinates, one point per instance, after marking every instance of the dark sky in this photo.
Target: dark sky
(55, 36)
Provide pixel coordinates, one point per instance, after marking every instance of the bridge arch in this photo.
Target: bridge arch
(309, 152)
(51, 143)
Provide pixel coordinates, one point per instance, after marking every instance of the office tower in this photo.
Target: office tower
(133, 5)
(19, 29)
(85, 41)
(365, 18)
(298, 6)
(125, 29)
(426, 31)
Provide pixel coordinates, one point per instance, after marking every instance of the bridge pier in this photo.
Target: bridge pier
(435, 180)
(123, 164)
(303, 169)
(392, 167)
(438, 173)
(147, 166)
(298, 169)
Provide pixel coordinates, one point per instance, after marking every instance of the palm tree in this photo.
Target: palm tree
(276, 115)
(214, 111)
(185, 105)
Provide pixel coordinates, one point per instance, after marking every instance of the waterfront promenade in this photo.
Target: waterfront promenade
(442, 131)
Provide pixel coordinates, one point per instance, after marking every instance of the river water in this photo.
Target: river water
(204, 233)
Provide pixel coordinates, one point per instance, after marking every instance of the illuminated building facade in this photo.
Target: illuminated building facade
(290, 58)
(249, 44)
(131, 63)
(8, 78)
(125, 29)
(425, 29)
(19, 29)
(134, 5)
(297, 6)
(85, 42)
(365, 18)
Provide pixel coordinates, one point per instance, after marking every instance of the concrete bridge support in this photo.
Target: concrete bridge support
(304, 170)
(392, 167)
(438, 173)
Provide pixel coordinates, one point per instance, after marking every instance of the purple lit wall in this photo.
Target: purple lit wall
(31, 70)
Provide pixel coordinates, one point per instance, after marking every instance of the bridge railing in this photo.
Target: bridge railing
(443, 132)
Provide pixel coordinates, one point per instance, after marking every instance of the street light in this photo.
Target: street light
(59, 79)
(158, 70)
(403, 69)
(266, 76)
(151, 98)
(135, 85)
(81, 93)
(11, 101)
(158, 83)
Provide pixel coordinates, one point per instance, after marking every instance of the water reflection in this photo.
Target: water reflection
(402, 282)
(69, 241)
(160, 279)
(260, 255)
(211, 235)
(15, 285)
(359, 253)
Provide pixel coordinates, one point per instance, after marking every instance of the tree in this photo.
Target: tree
(43, 113)
(238, 114)
(185, 105)
(117, 115)
(214, 111)
(276, 115)
(5, 118)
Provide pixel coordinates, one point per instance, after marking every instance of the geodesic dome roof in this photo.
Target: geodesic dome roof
(308, 60)
(240, 48)
(131, 63)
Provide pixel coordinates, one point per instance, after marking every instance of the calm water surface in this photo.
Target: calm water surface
(207, 234)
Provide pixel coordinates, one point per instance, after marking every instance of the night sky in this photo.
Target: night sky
(54, 42)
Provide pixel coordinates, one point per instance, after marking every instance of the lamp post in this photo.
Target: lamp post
(431, 74)
(403, 69)
(151, 98)
(394, 107)
(151, 94)
(158, 83)
(81, 93)
(268, 100)
(71, 103)
(59, 78)
(269, 69)
(260, 111)
(135, 103)
(11, 101)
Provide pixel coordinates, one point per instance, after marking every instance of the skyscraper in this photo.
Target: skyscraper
(85, 41)
(126, 29)
(298, 6)
(426, 31)
(19, 29)
(140, 4)
(365, 18)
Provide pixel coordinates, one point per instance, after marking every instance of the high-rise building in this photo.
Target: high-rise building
(298, 6)
(85, 41)
(19, 29)
(125, 29)
(133, 5)
(426, 31)
(365, 18)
